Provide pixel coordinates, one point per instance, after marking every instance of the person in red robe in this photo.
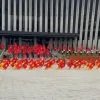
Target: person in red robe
(2, 46)
(48, 47)
(10, 49)
(23, 48)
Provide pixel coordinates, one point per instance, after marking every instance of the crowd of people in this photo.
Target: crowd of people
(78, 61)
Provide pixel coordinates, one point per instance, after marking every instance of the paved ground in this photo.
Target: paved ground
(50, 85)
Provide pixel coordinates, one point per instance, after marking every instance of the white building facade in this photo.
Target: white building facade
(60, 16)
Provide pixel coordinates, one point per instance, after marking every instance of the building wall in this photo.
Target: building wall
(63, 16)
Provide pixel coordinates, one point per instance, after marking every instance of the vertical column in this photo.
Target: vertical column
(87, 23)
(51, 43)
(72, 13)
(46, 15)
(55, 42)
(20, 43)
(3, 15)
(65, 42)
(98, 43)
(92, 22)
(26, 21)
(15, 17)
(30, 15)
(4, 41)
(66, 19)
(41, 9)
(77, 16)
(35, 15)
(97, 25)
(61, 21)
(71, 22)
(70, 43)
(56, 17)
(81, 23)
(35, 42)
(76, 22)
(9, 15)
(61, 16)
(20, 15)
(43, 41)
(55, 45)
(51, 15)
(56, 22)
(60, 42)
(35, 21)
(31, 44)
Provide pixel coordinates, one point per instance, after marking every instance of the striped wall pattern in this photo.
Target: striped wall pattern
(63, 16)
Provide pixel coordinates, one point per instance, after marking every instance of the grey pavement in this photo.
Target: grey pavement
(50, 85)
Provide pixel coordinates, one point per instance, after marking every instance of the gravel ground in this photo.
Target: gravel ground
(50, 85)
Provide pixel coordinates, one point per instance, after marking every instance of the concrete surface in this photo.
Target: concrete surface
(50, 85)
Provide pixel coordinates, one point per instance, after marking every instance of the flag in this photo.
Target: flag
(2, 46)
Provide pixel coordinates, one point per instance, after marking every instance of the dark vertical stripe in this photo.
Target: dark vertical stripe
(0, 14)
(6, 15)
(12, 6)
(32, 15)
(99, 31)
(98, 38)
(74, 15)
(43, 15)
(49, 15)
(69, 15)
(54, 9)
(23, 14)
(59, 9)
(28, 14)
(12, 10)
(90, 16)
(64, 15)
(38, 14)
(84, 23)
(95, 18)
(17, 13)
(17, 7)
(79, 20)
(43, 18)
